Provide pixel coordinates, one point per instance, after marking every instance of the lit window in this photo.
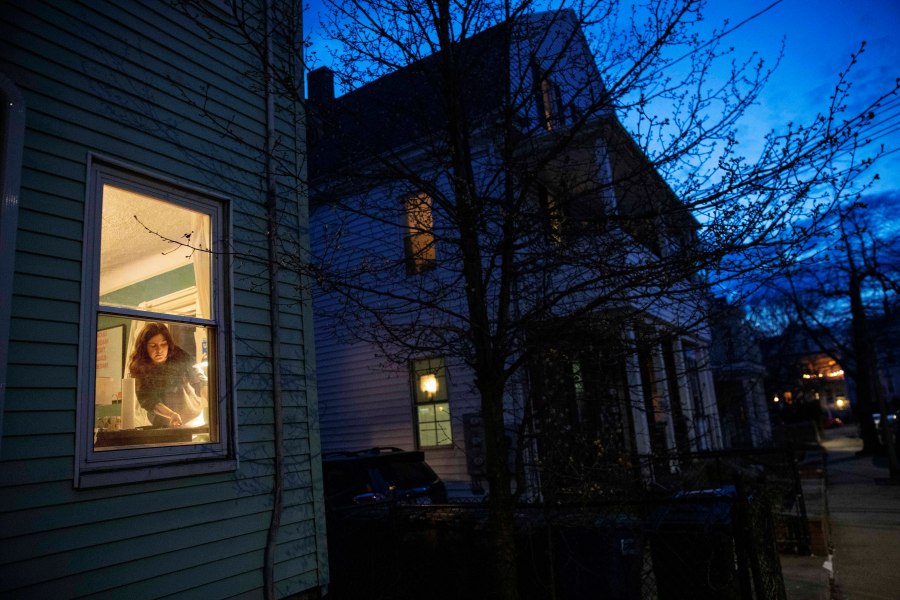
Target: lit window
(420, 254)
(555, 218)
(432, 408)
(154, 388)
(549, 100)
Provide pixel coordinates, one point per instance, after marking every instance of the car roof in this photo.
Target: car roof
(376, 454)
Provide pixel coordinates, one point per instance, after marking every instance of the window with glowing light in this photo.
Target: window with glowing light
(420, 251)
(431, 403)
(153, 354)
(548, 97)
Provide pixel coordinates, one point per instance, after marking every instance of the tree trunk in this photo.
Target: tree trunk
(488, 368)
(866, 378)
(500, 502)
(869, 393)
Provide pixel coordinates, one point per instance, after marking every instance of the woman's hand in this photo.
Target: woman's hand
(167, 413)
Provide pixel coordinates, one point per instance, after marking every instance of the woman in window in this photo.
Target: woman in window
(167, 385)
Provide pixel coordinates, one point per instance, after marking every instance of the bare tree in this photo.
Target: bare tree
(528, 204)
(854, 271)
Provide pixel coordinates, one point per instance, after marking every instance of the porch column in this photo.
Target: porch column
(636, 396)
(684, 393)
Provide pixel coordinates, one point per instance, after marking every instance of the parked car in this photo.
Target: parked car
(830, 421)
(382, 474)
(891, 419)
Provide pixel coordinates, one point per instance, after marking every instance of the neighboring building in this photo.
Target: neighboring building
(740, 379)
(805, 382)
(111, 149)
(630, 381)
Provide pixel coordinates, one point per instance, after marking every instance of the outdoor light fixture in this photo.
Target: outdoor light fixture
(776, 399)
(428, 383)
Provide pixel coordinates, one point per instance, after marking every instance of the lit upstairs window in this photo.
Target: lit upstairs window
(549, 100)
(419, 240)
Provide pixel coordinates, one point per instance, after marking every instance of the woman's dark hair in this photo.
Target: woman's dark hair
(140, 363)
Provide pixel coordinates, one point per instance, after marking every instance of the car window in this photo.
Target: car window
(344, 482)
(408, 474)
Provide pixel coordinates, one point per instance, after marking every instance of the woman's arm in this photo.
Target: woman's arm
(167, 413)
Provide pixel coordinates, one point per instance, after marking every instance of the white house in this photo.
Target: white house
(578, 238)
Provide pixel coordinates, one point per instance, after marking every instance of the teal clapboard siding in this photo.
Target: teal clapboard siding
(142, 84)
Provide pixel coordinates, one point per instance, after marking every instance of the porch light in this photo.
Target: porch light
(428, 383)
(776, 399)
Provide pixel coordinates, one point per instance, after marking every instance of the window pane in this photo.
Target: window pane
(431, 380)
(442, 413)
(420, 233)
(151, 255)
(426, 413)
(152, 384)
(427, 436)
(443, 434)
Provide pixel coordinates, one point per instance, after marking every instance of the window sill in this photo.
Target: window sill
(440, 449)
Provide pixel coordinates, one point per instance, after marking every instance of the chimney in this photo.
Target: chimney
(320, 83)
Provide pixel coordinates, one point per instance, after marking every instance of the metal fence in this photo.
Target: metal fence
(770, 474)
(715, 543)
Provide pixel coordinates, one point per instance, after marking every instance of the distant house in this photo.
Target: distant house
(126, 205)
(637, 387)
(804, 380)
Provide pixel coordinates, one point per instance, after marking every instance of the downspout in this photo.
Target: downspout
(12, 135)
(274, 314)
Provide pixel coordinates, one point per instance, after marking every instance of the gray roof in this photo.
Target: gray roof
(407, 106)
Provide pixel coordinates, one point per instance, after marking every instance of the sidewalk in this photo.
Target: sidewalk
(808, 577)
(865, 521)
(858, 518)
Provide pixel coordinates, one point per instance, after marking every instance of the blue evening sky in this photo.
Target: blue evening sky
(820, 36)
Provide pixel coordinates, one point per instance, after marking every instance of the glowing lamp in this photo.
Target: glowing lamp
(428, 384)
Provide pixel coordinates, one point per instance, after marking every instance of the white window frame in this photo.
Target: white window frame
(445, 388)
(125, 465)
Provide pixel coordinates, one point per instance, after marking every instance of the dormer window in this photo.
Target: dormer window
(419, 241)
(549, 100)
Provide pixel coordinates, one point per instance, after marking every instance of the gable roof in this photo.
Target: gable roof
(407, 106)
(405, 110)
